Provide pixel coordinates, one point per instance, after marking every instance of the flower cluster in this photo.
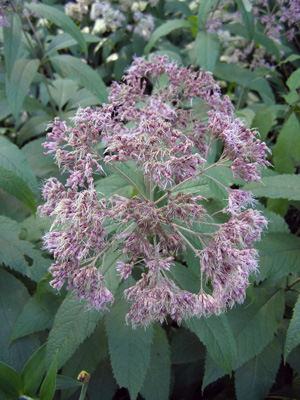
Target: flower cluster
(150, 123)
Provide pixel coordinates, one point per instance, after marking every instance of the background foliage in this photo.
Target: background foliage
(50, 64)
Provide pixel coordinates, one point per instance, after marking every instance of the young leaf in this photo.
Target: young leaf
(207, 50)
(61, 19)
(157, 381)
(48, 387)
(164, 30)
(254, 379)
(18, 84)
(11, 383)
(81, 73)
(11, 41)
(277, 187)
(293, 333)
(129, 349)
(33, 371)
(14, 185)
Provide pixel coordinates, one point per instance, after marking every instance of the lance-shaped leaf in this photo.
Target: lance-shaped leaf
(247, 14)
(11, 41)
(293, 333)
(48, 386)
(11, 383)
(207, 50)
(34, 370)
(212, 371)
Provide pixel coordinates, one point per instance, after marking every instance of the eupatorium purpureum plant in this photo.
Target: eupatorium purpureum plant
(151, 122)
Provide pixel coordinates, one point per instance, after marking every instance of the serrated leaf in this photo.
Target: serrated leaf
(164, 30)
(62, 90)
(48, 386)
(157, 381)
(11, 383)
(83, 98)
(73, 323)
(214, 332)
(247, 14)
(287, 148)
(212, 371)
(14, 185)
(113, 184)
(81, 73)
(18, 84)
(256, 321)
(32, 128)
(254, 379)
(207, 50)
(13, 296)
(129, 349)
(34, 370)
(12, 159)
(264, 120)
(293, 333)
(61, 19)
(279, 255)
(133, 176)
(35, 227)
(185, 277)
(11, 41)
(102, 381)
(283, 186)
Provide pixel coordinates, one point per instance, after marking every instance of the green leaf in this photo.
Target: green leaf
(35, 227)
(14, 185)
(32, 128)
(207, 50)
(48, 387)
(81, 73)
(185, 277)
(215, 333)
(254, 379)
(294, 80)
(164, 30)
(277, 187)
(60, 19)
(186, 347)
(245, 78)
(63, 90)
(73, 323)
(18, 84)
(64, 382)
(13, 296)
(34, 317)
(205, 7)
(133, 176)
(11, 383)
(247, 14)
(157, 381)
(287, 147)
(293, 333)
(212, 371)
(12, 159)
(83, 98)
(33, 371)
(279, 255)
(264, 120)
(102, 381)
(113, 184)
(11, 41)
(129, 349)
(256, 321)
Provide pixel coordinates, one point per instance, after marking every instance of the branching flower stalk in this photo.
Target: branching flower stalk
(151, 128)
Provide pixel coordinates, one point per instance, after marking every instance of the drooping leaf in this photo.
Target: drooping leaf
(254, 379)
(212, 371)
(49, 383)
(164, 30)
(283, 186)
(287, 148)
(11, 41)
(293, 333)
(207, 50)
(11, 383)
(33, 371)
(157, 381)
(81, 73)
(12, 159)
(61, 19)
(18, 84)
(256, 321)
(129, 349)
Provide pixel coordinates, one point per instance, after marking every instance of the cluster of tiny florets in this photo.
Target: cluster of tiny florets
(150, 123)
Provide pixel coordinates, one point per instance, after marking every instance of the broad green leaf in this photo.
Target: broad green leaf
(83, 98)
(33, 127)
(102, 381)
(254, 379)
(207, 50)
(247, 14)
(33, 371)
(245, 78)
(185, 277)
(293, 333)
(173, 6)
(48, 386)
(212, 371)
(256, 321)
(205, 7)
(264, 120)
(60, 19)
(63, 90)
(12, 159)
(64, 40)
(65, 382)
(287, 147)
(81, 73)
(73, 323)
(113, 184)
(157, 381)
(13, 296)
(11, 41)
(279, 255)
(131, 174)
(35, 227)
(14, 185)
(186, 347)
(34, 317)
(11, 383)
(164, 30)
(129, 348)
(215, 333)
(293, 81)
(18, 84)
(277, 187)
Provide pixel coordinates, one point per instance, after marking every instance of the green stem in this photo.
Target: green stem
(83, 391)
(293, 283)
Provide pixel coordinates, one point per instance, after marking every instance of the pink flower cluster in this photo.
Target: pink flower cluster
(150, 121)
